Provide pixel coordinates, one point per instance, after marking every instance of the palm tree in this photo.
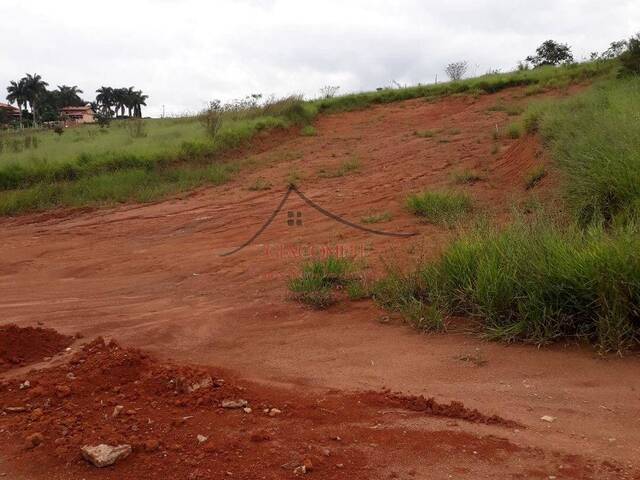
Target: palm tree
(105, 99)
(69, 96)
(130, 99)
(35, 87)
(139, 102)
(17, 94)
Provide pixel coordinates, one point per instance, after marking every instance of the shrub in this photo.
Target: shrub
(456, 70)
(309, 131)
(534, 176)
(346, 167)
(440, 208)
(260, 184)
(425, 133)
(377, 218)
(466, 177)
(314, 286)
(630, 59)
(514, 131)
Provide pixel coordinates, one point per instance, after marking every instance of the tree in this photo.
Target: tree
(630, 59)
(69, 96)
(139, 101)
(17, 93)
(105, 99)
(456, 70)
(551, 53)
(35, 88)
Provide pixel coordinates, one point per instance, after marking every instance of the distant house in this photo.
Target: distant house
(77, 115)
(10, 111)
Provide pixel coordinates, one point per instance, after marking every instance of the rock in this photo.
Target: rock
(301, 470)
(548, 419)
(25, 384)
(247, 410)
(204, 383)
(36, 414)
(104, 455)
(71, 376)
(274, 412)
(326, 452)
(63, 391)
(15, 409)
(202, 438)
(151, 445)
(234, 403)
(117, 410)
(340, 465)
(34, 440)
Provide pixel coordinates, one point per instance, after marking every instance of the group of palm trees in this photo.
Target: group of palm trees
(113, 101)
(30, 95)
(26, 92)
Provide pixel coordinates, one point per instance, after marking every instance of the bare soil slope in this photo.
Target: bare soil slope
(153, 277)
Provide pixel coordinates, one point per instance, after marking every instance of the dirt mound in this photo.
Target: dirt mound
(429, 406)
(22, 346)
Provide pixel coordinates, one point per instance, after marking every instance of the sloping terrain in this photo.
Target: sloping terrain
(155, 277)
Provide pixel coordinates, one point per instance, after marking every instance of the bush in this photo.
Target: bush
(440, 208)
(630, 59)
(318, 278)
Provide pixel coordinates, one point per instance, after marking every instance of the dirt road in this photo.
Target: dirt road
(153, 277)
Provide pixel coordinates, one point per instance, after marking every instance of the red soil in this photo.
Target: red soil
(22, 346)
(165, 407)
(152, 277)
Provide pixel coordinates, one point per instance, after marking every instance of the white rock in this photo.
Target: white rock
(234, 403)
(274, 411)
(202, 438)
(247, 410)
(25, 384)
(301, 470)
(104, 455)
(117, 410)
(548, 418)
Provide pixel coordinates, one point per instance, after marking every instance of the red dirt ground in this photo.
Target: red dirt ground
(22, 346)
(151, 276)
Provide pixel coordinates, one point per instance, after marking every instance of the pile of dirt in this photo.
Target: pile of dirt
(184, 421)
(20, 346)
(429, 406)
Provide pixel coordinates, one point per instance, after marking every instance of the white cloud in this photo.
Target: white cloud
(186, 52)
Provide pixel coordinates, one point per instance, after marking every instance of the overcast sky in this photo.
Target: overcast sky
(183, 53)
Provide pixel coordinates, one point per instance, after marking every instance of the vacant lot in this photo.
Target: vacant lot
(154, 277)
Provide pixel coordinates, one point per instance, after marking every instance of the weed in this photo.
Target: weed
(314, 286)
(534, 176)
(377, 218)
(462, 177)
(260, 184)
(346, 167)
(425, 133)
(514, 131)
(440, 208)
(308, 131)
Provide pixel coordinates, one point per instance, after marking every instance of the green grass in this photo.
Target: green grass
(534, 176)
(465, 177)
(377, 218)
(318, 279)
(132, 185)
(308, 131)
(351, 165)
(514, 130)
(441, 207)
(557, 276)
(545, 77)
(425, 133)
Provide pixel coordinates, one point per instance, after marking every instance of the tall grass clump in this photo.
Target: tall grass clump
(439, 207)
(595, 138)
(319, 278)
(540, 283)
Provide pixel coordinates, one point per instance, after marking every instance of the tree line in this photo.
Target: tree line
(36, 103)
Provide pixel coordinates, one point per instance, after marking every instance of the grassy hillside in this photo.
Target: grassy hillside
(147, 160)
(544, 279)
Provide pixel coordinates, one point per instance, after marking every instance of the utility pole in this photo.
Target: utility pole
(162, 110)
